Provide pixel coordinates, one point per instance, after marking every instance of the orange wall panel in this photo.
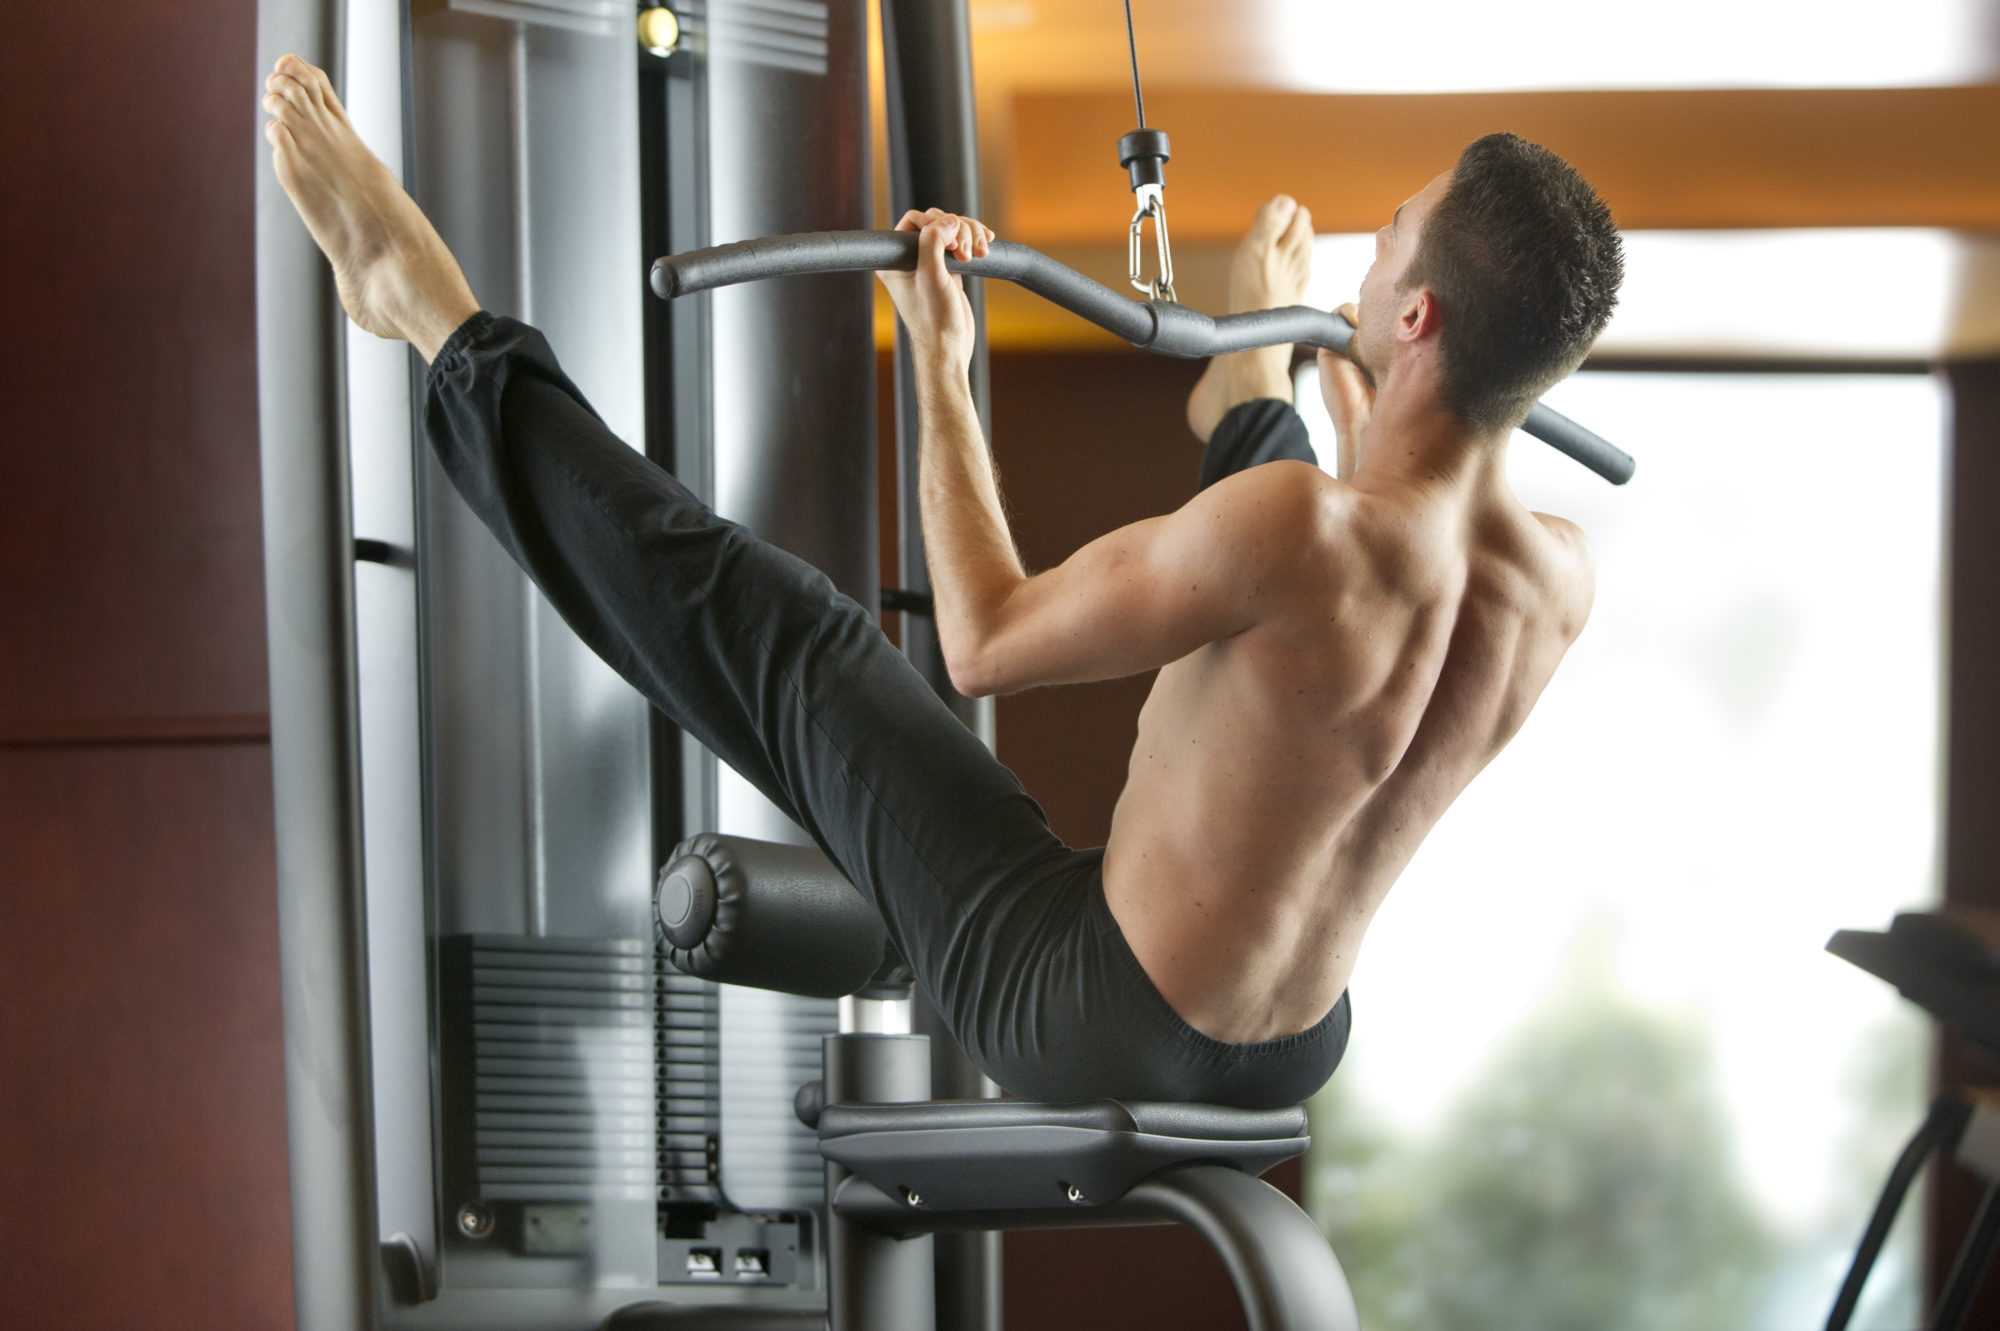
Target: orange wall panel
(1662, 159)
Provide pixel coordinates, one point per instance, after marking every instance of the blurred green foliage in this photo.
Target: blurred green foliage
(1583, 1182)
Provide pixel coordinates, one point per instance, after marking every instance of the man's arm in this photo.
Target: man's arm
(1135, 599)
(1132, 600)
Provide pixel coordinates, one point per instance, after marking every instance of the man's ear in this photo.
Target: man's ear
(1418, 317)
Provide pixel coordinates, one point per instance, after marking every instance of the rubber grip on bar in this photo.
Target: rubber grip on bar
(1564, 435)
(896, 251)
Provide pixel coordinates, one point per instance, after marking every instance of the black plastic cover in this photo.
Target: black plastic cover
(1144, 154)
(1013, 1154)
(684, 901)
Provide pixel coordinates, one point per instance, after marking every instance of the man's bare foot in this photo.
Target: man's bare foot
(395, 276)
(1273, 262)
(1270, 269)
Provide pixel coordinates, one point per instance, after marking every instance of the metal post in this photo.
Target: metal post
(1284, 1271)
(934, 162)
(309, 590)
(876, 1282)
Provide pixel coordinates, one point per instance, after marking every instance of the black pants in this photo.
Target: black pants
(754, 653)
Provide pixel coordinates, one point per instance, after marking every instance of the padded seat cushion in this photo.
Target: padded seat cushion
(996, 1155)
(1153, 1117)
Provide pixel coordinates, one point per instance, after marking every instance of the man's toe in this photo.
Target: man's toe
(1273, 217)
(309, 77)
(1300, 232)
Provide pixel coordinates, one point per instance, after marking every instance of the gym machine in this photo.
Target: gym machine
(1947, 963)
(528, 1083)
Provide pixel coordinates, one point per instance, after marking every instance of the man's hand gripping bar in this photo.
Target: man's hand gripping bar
(1154, 325)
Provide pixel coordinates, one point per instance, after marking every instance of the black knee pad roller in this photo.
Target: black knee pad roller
(772, 917)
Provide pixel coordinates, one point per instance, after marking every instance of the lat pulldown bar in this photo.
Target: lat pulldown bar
(1153, 325)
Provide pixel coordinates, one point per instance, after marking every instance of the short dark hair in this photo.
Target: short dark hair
(1525, 262)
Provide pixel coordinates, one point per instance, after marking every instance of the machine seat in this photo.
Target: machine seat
(985, 1155)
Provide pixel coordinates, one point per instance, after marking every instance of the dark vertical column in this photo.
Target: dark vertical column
(672, 208)
(934, 163)
(1972, 772)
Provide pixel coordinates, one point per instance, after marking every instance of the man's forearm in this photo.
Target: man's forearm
(973, 562)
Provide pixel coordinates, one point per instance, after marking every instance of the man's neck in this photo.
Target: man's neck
(1412, 441)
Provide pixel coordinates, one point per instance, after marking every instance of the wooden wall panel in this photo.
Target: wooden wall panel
(131, 578)
(1972, 783)
(1972, 798)
(1087, 442)
(1743, 157)
(142, 1113)
(142, 1117)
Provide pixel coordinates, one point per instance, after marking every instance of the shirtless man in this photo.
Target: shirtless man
(1338, 657)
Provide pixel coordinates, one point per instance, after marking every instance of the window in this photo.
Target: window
(1602, 1072)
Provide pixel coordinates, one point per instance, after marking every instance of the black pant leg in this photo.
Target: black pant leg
(754, 653)
(1262, 430)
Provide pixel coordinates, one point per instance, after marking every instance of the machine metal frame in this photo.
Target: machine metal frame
(378, 1239)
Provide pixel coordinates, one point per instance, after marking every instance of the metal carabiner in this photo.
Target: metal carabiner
(1153, 204)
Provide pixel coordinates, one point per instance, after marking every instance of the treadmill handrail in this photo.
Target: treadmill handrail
(1153, 325)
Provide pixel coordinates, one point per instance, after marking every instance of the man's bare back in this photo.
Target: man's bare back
(1284, 777)
(1361, 649)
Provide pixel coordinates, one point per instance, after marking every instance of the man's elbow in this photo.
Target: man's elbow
(968, 686)
(972, 672)
(980, 649)
(984, 661)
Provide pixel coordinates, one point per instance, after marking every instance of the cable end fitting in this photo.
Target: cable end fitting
(1144, 153)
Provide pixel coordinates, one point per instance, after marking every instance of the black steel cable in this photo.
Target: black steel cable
(1132, 45)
